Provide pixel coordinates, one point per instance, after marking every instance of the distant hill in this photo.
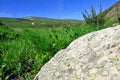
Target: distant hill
(38, 22)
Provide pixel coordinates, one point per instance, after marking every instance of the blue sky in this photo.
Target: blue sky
(63, 9)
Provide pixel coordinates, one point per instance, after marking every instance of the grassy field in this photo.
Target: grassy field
(25, 23)
(24, 52)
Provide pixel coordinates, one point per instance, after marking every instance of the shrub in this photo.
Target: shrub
(93, 19)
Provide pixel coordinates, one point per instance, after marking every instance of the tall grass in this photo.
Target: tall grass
(23, 55)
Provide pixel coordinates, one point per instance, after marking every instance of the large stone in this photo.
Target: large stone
(94, 56)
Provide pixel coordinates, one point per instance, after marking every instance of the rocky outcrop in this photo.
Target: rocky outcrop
(94, 56)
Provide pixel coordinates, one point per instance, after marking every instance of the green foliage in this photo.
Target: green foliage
(23, 56)
(93, 19)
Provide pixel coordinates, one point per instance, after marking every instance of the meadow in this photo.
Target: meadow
(24, 52)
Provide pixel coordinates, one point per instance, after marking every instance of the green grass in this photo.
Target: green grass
(23, 53)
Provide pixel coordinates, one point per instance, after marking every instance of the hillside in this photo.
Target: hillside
(37, 22)
(110, 14)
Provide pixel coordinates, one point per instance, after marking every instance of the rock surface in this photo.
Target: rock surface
(94, 56)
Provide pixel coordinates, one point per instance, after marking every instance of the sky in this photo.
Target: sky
(59, 9)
